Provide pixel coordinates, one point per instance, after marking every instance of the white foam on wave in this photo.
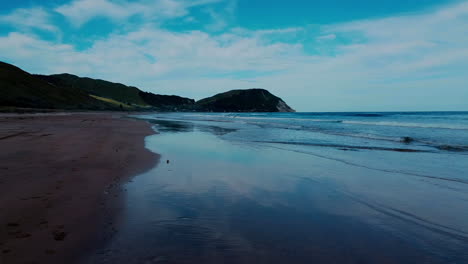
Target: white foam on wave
(285, 119)
(403, 124)
(260, 117)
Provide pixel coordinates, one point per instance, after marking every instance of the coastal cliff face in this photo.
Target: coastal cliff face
(69, 92)
(250, 100)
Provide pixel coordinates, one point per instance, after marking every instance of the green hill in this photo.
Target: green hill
(250, 100)
(127, 95)
(101, 88)
(66, 91)
(21, 89)
(167, 102)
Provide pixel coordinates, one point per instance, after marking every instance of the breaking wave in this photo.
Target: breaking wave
(403, 124)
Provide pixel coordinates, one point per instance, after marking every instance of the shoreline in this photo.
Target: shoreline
(57, 209)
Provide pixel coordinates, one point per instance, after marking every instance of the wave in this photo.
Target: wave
(286, 119)
(405, 143)
(303, 117)
(456, 148)
(358, 114)
(403, 124)
(402, 139)
(407, 140)
(366, 115)
(344, 147)
(362, 114)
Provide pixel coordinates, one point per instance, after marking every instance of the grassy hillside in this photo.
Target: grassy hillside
(116, 91)
(121, 93)
(21, 89)
(251, 100)
(117, 104)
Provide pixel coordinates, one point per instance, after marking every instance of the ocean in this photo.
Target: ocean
(300, 188)
(391, 131)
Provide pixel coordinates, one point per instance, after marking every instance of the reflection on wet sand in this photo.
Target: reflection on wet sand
(219, 201)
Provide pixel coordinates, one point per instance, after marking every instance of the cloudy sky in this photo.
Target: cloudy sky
(341, 55)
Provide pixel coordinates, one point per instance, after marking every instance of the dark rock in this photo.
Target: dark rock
(407, 139)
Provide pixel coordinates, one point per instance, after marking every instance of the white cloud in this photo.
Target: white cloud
(25, 19)
(280, 30)
(221, 18)
(414, 62)
(81, 11)
(189, 54)
(404, 45)
(326, 37)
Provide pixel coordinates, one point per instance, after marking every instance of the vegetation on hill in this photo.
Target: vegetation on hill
(66, 91)
(117, 104)
(130, 96)
(21, 89)
(101, 88)
(250, 100)
(169, 102)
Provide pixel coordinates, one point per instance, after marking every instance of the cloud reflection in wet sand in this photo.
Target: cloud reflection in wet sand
(219, 201)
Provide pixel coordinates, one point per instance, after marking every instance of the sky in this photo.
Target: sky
(318, 55)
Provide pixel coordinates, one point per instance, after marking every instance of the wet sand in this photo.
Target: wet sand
(60, 178)
(223, 201)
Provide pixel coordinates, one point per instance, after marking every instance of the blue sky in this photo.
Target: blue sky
(341, 55)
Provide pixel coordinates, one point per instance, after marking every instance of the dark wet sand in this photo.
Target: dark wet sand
(59, 181)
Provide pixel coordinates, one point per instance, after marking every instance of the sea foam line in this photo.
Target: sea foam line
(403, 124)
